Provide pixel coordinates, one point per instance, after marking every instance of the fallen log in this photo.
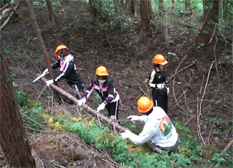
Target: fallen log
(8, 15)
(122, 129)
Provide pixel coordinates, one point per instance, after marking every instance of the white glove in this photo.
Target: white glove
(46, 71)
(82, 101)
(168, 90)
(49, 82)
(133, 118)
(126, 134)
(101, 107)
(160, 86)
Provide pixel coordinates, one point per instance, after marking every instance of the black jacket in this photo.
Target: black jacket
(107, 93)
(157, 78)
(68, 71)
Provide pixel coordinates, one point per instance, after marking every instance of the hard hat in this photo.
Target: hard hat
(60, 47)
(102, 71)
(145, 104)
(159, 59)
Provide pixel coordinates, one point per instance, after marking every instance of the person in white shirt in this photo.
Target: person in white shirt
(158, 127)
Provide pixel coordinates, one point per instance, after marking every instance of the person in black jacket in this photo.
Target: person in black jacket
(157, 81)
(68, 69)
(104, 86)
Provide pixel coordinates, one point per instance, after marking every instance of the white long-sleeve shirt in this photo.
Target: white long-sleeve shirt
(158, 128)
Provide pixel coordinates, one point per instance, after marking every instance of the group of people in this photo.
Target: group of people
(158, 127)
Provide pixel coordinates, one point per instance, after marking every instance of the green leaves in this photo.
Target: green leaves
(218, 159)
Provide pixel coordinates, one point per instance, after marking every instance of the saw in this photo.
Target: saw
(121, 120)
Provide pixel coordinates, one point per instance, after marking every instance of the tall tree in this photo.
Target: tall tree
(207, 36)
(50, 10)
(132, 6)
(12, 134)
(39, 37)
(146, 17)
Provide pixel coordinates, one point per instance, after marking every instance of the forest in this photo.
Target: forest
(43, 126)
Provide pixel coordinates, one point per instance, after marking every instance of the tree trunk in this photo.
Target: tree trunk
(132, 7)
(39, 37)
(207, 36)
(95, 8)
(50, 10)
(146, 17)
(187, 5)
(12, 134)
(41, 44)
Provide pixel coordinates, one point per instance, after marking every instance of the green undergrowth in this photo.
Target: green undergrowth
(123, 151)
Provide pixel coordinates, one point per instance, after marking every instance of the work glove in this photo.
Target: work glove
(133, 118)
(112, 118)
(168, 90)
(126, 134)
(160, 86)
(49, 82)
(82, 101)
(46, 71)
(101, 107)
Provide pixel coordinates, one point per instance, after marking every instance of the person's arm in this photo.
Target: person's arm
(111, 93)
(151, 79)
(89, 90)
(68, 68)
(146, 134)
(142, 118)
(56, 64)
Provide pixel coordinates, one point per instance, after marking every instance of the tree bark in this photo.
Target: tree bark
(39, 37)
(207, 36)
(132, 7)
(50, 10)
(12, 134)
(146, 17)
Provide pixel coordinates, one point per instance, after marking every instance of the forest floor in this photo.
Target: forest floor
(200, 82)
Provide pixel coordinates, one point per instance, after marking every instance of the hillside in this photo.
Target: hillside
(200, 82)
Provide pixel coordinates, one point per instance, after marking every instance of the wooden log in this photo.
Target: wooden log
(9, 16)
(121, 128)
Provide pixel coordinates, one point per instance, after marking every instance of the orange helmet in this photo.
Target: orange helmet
(159, 59)
(145, 104)
(60, 47)
(101, 71)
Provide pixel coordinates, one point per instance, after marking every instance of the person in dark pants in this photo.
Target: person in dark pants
(158, 127)
(104, 86)
(157, 81)
(68, 69)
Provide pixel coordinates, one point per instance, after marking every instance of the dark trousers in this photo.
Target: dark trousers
(173, 148)
(113, 109)
(160, 98)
